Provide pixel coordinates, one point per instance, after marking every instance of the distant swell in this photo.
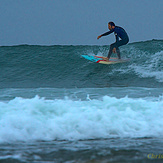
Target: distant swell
(62, 66)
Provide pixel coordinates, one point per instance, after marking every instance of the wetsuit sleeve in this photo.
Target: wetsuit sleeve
(116, 37)
(107, 33)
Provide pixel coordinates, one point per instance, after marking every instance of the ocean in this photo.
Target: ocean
(56, 106)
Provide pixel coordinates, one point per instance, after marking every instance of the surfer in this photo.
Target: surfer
(119, 33)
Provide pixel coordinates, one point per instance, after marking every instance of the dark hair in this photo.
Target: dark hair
(111, 23)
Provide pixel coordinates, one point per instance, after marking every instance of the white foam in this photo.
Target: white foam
(41, 119)
(151, 67)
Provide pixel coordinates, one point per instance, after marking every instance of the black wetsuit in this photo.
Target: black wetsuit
(119, 33)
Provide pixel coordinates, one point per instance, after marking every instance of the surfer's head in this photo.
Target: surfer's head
(111, 25)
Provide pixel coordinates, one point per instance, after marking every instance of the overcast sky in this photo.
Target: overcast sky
(77, 22)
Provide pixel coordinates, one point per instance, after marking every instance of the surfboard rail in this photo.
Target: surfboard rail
(101, 60)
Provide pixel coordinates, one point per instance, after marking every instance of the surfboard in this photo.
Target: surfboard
(102, 60)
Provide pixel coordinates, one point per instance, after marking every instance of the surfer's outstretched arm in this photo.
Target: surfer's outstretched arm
(106, 33)
(99, 36)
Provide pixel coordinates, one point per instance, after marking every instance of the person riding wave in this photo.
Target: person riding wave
(119, 33)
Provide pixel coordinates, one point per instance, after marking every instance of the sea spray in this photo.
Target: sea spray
(65, 119)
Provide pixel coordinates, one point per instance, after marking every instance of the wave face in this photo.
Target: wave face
(29, 66)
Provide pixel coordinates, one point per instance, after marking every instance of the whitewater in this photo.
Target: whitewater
(57, 106)
(40, 119)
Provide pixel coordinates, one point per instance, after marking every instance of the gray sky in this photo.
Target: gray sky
(77, 22)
